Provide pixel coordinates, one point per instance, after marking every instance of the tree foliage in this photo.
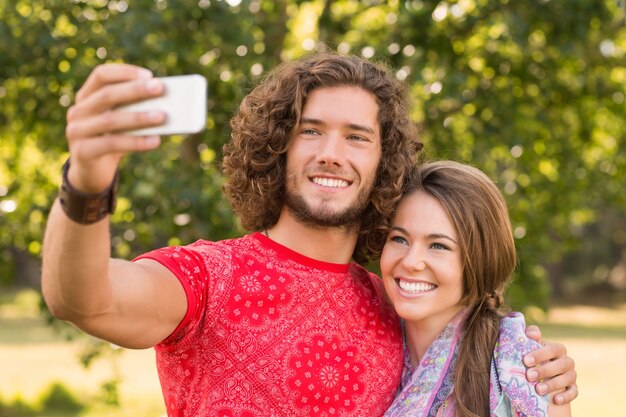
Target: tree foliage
(531, 92)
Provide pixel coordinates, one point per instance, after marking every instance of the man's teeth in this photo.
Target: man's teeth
(415, 287)
(330, 182)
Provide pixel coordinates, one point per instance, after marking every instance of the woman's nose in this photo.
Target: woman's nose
(414, 260)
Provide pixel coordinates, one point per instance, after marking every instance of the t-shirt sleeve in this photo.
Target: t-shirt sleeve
(510, 372)
(188, 266)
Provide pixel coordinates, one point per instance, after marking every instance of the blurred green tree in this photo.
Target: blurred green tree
(531, 92)
(49, 48)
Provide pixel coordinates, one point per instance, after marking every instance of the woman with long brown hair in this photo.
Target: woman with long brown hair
(447, 261)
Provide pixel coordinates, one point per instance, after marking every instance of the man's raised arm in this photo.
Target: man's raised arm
(134, 305)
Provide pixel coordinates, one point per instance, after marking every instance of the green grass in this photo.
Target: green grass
(595, 338)
(36, 359)
(34, 356)
(574, 331)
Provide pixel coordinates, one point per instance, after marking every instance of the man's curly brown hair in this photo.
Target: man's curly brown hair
(255, 158)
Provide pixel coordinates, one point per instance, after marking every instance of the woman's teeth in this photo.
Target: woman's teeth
(415, 287)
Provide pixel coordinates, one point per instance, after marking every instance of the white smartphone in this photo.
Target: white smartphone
(184, 103)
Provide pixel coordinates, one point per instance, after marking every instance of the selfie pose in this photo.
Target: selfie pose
(282, 321)
(447, 261)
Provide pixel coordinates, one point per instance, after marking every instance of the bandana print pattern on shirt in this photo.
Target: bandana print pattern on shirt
(270, 332)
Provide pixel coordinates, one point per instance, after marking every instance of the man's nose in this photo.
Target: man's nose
(331, 150)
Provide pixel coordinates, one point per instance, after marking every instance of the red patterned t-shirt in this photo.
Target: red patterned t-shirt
(270, 332)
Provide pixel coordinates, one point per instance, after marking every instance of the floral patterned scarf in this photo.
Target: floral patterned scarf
(427, 390)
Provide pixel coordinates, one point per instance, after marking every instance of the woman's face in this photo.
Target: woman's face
(421, 262)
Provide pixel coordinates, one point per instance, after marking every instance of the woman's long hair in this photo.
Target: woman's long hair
(479, 213)
(255, 159)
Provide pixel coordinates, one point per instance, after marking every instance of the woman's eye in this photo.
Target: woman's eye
(437, 245)
(398, 239)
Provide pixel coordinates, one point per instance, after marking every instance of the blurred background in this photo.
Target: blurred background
(532, 92)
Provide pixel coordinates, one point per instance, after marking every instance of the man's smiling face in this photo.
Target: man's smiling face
(334, 156)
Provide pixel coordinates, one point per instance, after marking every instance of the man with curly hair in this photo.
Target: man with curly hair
(279, 322)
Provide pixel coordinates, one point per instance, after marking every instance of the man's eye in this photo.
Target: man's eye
(310, 132)
(357, 138)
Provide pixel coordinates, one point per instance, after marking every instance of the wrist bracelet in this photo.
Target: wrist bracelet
(87, 208)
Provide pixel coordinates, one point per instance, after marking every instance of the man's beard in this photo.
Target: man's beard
(323, 217)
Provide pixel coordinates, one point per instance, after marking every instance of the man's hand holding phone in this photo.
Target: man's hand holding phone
(122, 108)
(184, 104)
